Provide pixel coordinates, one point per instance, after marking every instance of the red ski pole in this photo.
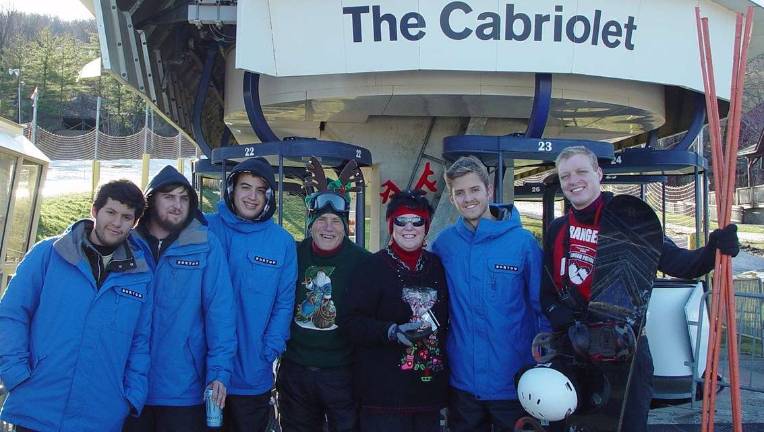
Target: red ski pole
(706, 61)
(723, 300)
(733, 135)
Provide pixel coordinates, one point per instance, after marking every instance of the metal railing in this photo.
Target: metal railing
(749, 310)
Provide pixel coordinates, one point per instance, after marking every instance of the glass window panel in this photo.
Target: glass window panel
(21, 220)
(7, 166)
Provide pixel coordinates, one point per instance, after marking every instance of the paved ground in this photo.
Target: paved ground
(686, 416)
(746, 262)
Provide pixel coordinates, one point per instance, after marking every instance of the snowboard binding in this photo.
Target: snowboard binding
(591, 342)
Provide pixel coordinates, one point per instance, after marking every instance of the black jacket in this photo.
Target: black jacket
(674, 261)
(374, 302)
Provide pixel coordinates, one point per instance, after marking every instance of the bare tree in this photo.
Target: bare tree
(9, 23)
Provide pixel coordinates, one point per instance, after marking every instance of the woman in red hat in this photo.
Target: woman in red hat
(397, 317)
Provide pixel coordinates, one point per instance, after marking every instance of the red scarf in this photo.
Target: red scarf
(325, 253)
(409, 258)
(574, 267)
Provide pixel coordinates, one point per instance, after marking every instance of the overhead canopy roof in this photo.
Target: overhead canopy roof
(12, 138)
(152, 46)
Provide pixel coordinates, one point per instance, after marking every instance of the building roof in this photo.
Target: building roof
(12, 139)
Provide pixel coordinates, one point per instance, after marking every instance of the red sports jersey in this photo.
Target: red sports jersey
(575, 249)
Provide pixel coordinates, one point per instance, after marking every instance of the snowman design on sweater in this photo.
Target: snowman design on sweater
(317, 310)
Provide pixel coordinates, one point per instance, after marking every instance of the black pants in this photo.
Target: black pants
(640, 393)
(308, 397)
(156, 418)
(466, 413)
(640, 390)
(387, 422)
(247, 413)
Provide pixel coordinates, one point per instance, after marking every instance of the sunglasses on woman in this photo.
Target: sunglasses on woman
(416, 221)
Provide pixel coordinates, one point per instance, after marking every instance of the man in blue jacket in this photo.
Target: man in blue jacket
(75, 323)
(493, 269)
(263, 270)
(193, 335)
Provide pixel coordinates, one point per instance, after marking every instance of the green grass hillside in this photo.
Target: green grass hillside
(57, 213)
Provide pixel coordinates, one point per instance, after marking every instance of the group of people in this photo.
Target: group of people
(126, 320)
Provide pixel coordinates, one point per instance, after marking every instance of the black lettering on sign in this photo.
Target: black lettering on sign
(458, 21)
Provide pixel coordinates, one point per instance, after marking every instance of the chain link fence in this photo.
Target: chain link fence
(100, 146)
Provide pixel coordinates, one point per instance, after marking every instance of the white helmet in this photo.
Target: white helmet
(546, 393)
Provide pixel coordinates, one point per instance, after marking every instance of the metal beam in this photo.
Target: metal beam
(214, 88)
(201, 97)
(698, 118)
(255, 110)
(216, 14)
(175, 15)
(542, 103)
(148, 67)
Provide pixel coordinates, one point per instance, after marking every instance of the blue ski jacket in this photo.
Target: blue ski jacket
(494, 279)
(193, 332)
(75, 357)
(263, 265)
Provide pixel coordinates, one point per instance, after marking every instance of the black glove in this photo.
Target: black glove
(725, 240)
(408, 333)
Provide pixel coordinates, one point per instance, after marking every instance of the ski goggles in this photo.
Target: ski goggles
(329, 199)
(416, 221)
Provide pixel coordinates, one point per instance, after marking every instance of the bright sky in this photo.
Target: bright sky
(65, 9)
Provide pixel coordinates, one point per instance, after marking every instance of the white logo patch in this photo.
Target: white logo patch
(267, 261)
(506, 267)
(131, 293)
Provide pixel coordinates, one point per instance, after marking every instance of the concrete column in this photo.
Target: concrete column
(398, 141)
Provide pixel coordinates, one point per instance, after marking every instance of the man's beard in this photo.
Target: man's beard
(165, 224)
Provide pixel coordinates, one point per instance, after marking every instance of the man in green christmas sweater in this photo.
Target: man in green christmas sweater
(315, 378)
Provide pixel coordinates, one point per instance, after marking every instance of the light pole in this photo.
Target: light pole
(17, 72)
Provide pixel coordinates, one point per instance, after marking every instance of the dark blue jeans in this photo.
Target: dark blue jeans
(640, 393)
(308, 397)
(247, 413)
(466, 413)
(168, 419)
(640, 390)
(386, 422)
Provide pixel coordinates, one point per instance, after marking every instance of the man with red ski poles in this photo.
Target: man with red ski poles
(580, 179)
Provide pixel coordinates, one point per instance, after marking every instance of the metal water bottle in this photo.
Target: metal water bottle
(214, 413)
